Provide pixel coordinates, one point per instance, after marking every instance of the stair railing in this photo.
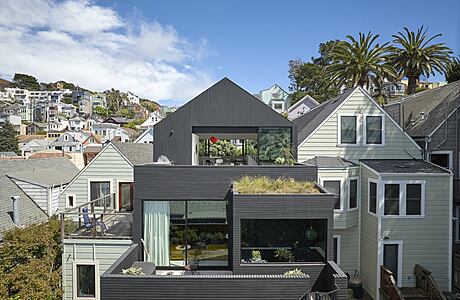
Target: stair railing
(388, 284)
(425, 281)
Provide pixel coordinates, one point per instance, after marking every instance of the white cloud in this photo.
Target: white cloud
(94, 47)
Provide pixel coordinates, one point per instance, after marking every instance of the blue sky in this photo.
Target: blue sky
(170, 51)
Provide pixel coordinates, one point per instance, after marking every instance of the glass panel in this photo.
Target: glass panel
(353, 193)
(348, 130)
(283, 240)
(177, 234)
(99, 189)
(274, 143)
(372, 197)
(373, 130)
(391, 206)
(126, 196)
(413, 199)
(333, 186)
(441, 160)
(390, 258)
(86, 281)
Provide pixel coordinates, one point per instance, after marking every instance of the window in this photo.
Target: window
(278, 106)
(374, 128)
(348, 130)
(441, 159)
(333, 186)
(70, 200)
(391, 206)
(99, 189)
(413, 199)
(283, 240)
(337, 249)
(273, 143)
(86, 280)
(373, 197)
(353, 194)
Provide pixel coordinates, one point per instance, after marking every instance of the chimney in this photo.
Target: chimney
(16, 219)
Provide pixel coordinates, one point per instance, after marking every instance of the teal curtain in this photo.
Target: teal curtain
(156, 231)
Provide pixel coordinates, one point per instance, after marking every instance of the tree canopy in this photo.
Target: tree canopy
(24, 81)
(149, 105)
(453, 70)
(8, 139)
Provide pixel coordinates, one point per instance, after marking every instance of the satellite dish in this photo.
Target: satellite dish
(163, 160)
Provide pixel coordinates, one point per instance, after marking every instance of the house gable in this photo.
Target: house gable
(397, 144)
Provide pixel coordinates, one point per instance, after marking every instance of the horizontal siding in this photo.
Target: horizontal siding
(349, 249)
(37, 193)
(397, 145)
(108, 165)
(425, 240)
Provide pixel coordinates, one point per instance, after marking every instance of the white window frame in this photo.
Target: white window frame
(339, 246)
(400, 257)
(358, 192)
(95, 263)
(342, 204)
(450, 153)
(365, 130)
(402, 199)
(339, 130)
(274, 102)
(112, 184)
(67, 205)
(377, 206)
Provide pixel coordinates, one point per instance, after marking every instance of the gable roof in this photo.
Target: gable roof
(335, 162)
(137, 154)
(149, 131)
(61, 172)
(305, 99)
(424, 112)
(309, 121)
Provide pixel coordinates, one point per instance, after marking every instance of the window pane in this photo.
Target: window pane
(441, 160)
(353, 193)
(177, 234)
(372, 197)
(348, 130)
(391, 206)
(99, 189)
(274, 143)
(413, 199)
(333, 186)
(336, 244)
(373, 130)
(283, 240)
(86, 281)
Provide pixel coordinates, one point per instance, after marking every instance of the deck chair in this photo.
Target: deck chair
(88, 224)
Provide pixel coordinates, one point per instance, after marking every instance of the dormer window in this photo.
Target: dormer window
(348, 130)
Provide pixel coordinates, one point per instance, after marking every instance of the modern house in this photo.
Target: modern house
(393, 210)
(196, 233)
(302, 106)
(275, 97)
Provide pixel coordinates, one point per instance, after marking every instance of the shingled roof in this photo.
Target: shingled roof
(137, 154)
(308, 122)
(334, 162)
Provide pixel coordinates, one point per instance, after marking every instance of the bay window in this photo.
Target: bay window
(405, 198)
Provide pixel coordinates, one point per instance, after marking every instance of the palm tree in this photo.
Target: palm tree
(414, 57)
(453, 70)
(357, 62)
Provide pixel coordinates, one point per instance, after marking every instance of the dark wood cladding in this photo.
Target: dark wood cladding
(314, 206)
(160, 182)
(225, 104)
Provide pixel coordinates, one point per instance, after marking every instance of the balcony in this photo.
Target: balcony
(96, 220)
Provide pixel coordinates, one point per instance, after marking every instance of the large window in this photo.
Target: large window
(283, 240)
(99, 189)
(336, 252)
(413, 199)
(374, 128)
(348, 130)
(353, 194)
(373, 197)
(86, 280)
(179, 233)
(333, 186)
(391, 206)
(274, 143)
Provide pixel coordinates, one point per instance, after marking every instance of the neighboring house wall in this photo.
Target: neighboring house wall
(109, 165)
(396, 144)
(102, 253)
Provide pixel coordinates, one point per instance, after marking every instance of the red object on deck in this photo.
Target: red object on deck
(213, 139)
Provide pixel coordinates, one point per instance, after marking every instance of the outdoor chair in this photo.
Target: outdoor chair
(88, 224)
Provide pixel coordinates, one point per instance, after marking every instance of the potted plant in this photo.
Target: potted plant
(284, 255)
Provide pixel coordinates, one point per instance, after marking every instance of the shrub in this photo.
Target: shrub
(266, 185)
(294, 272)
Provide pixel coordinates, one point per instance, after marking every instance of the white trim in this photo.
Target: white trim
(341, 180)
(403, 198)
(339, 246)
(67, 200)
(449, 257)
(365, 130)
(358, 193)
(400, 257)
(95, 263)
(301, 101)
(449, 152)
(339, 130)
(369, 181)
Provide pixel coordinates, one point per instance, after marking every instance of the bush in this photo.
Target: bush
(266, 185)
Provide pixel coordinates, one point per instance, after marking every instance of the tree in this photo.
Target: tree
(219, 148)
(413, 56)
(149, 105)
(8, 139)
(101, 111)
(115, 99)
(358, 62)
(30, 262)
(67, 100)
(24, 81)
(453, 70)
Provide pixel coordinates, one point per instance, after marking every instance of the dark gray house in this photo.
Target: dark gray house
(196, 236)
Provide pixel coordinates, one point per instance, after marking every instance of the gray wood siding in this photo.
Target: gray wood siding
(397, 145)
(108, 166)
(349, 248)
(104, 252)
(368, 238)
(36, 192)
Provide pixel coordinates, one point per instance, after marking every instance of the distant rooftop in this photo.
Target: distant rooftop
(137, 154)
(334, 162)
